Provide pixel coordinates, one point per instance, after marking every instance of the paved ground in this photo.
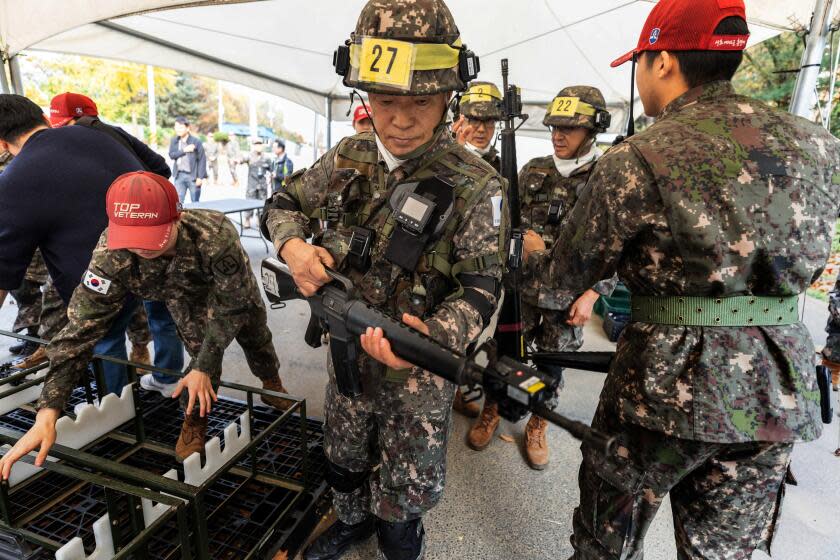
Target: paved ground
(495, 507)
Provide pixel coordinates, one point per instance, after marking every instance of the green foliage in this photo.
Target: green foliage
(183, 101)
(220, 136)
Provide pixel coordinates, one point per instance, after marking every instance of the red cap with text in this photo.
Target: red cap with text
(689, 25)
(361, 113)
(142, 208)
(67, 106)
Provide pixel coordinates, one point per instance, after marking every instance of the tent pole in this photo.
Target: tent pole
(14, 73)
(4, 81)
(315, 137)
(328, 114)
(150, 87)
(252, 114)
(221, 104)
(803, 99)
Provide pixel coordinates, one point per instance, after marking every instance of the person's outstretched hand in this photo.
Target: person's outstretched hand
(40, 436)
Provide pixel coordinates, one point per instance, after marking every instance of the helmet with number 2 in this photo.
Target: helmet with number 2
(406, 47)
(577, 106)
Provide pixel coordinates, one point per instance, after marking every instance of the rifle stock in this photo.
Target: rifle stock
(519, 388)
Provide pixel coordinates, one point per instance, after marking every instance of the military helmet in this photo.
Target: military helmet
(482, 101)
(406, 47)
(582, 106)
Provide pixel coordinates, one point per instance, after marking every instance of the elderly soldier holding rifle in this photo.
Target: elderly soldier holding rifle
(413, 219)
(718, 217)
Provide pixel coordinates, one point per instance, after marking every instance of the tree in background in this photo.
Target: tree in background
(184, 100)
(117, 88)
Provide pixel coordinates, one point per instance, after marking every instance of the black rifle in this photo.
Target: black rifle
(509, 333)
(517, 388)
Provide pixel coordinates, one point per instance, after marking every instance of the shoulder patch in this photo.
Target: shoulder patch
(96, 283)
(227, 265)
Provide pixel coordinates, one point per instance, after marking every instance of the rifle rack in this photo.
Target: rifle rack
(264, 493)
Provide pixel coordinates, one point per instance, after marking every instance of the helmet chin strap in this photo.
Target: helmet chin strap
(354, 93)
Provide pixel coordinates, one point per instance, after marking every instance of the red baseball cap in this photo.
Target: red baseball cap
(142, 208)
(66, 106)
(361, 113)
(689, 25)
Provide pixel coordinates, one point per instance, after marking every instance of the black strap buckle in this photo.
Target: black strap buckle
(361, 243)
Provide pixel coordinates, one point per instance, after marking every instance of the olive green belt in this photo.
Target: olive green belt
(697, 311)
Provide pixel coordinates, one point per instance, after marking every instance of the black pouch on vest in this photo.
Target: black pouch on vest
(361, 243)
(555, 210)
(408, 242)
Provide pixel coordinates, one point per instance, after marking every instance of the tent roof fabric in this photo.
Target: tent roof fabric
(285, 47)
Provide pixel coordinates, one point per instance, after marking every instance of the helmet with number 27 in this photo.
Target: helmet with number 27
(406, 47)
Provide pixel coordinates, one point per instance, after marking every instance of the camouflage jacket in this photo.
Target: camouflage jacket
(540, 184)
(37, 271)
(259, 171)
(721, 196)
(354, 174)
(492, 157)
(208, 287)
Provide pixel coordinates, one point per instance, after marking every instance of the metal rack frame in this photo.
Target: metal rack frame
(195, 496)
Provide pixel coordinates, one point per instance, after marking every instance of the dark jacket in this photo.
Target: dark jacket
(281, 168)
(197, 159)
(150, 159)
(52, 196)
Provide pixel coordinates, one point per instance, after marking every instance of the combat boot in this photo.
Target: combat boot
(140, 355)
(191, 440)
(275, 384)
(835, 373)
(469, 409)
(536, 445)
(37, 357)
(481, 434)
(25, 348)
(332, 543)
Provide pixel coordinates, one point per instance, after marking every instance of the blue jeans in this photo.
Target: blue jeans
(184, 183)
(169, 350)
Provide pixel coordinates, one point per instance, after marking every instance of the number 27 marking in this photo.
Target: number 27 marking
(377, 52)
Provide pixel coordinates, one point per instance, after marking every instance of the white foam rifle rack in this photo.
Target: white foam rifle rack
(194, 474)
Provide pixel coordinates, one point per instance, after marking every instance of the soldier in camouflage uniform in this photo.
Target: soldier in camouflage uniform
(259, 175)
(28, 297)
(548, 189)
(831, 350)
(193, 262)
(386, 448)
(716, 217)
(480, 109)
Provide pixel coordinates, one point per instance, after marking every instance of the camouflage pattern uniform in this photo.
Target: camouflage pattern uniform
(544, 311)
(28, 295)
(831, 351)
(408, 417)
(259, 175)
(208, 287)
(483, 101)
(138, 328)
(721, 196)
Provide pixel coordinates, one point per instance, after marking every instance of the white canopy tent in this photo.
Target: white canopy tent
(285, 47)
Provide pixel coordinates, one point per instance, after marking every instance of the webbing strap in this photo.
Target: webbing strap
(733, 311)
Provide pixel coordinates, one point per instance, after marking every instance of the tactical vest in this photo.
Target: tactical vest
(541, 187)
(358, 198)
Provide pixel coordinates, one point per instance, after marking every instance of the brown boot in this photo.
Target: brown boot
(140, 355)
(275, 384)
(536, 445)
(468, 409)
(191, 440)
(481, 434)
(835, 373)
(37, 357)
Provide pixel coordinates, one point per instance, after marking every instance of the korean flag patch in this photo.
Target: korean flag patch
(96, 283)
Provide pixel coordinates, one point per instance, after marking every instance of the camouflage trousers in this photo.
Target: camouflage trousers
(831, 351)
(253, 336)
(393, 438)
(547, 329)
(28, 299)
(255, 192)
(725, 498)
